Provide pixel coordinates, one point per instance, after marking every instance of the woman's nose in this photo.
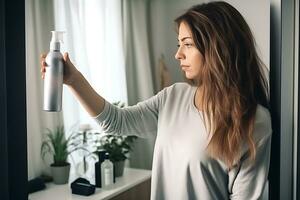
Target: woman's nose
(179, 55)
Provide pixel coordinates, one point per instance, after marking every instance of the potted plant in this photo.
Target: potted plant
(59, 147)
(118, 147)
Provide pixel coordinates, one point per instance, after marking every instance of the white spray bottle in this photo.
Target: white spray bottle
(53, 82)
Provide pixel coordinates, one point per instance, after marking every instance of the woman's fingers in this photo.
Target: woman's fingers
(43, 69)
(66, 57)
(43, 57)
(43, 64)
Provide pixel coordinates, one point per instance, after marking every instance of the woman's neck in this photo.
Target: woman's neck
(198, 98)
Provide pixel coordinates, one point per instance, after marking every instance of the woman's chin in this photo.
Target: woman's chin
(189, 76)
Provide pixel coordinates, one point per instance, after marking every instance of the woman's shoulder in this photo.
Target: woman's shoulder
(263, 123)
(262, 115)
(177, 93)
(179, 86)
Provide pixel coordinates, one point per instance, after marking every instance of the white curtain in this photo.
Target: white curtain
(108, 42)
(140, 71)
(94, 41)
(39, 22)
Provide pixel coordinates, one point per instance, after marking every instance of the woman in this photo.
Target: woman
(214, 132)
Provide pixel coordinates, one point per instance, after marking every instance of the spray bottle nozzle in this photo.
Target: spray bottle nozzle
(57, 38)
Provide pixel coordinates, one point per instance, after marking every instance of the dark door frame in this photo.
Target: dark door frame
(13, 132)
(297, 64)
(284, 95)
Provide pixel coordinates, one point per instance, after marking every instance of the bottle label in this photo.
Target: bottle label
(108, 176)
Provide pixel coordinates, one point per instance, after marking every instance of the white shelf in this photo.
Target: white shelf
(131, 178)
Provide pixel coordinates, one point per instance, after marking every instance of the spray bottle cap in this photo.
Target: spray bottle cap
(57, 38)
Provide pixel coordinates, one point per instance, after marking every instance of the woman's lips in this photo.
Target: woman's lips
(184, 67)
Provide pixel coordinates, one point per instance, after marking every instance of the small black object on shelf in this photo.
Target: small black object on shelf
(35, 185)
(82, 186)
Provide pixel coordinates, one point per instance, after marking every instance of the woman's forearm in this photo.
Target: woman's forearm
(87, 96)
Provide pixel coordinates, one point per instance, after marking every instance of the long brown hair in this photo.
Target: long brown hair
(232, 77)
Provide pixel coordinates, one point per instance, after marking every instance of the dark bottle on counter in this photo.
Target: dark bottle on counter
(101, 158)
(114, 167)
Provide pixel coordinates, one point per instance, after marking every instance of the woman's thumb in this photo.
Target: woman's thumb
(66, 57)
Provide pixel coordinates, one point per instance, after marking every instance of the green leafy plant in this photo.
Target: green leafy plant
(58, 146)
(117, 146)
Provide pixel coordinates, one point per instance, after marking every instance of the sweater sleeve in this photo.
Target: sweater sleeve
(247, 181)
(140, 120)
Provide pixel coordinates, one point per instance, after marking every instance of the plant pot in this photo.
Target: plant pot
(60, 174)
(119, 168)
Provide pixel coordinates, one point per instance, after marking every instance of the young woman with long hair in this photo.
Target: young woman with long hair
(213, 131)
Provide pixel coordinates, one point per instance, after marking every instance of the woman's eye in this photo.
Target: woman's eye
(188, 45)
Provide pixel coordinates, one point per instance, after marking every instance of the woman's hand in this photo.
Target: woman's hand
(70, 71)
(88, 97)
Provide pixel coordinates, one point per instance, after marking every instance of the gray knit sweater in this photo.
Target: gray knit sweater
(181, 168)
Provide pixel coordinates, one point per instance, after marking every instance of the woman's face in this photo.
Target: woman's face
(189, 56)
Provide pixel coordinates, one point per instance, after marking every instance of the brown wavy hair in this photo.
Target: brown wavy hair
(232, 78)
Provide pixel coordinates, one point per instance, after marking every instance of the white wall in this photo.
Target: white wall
(164, 37)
